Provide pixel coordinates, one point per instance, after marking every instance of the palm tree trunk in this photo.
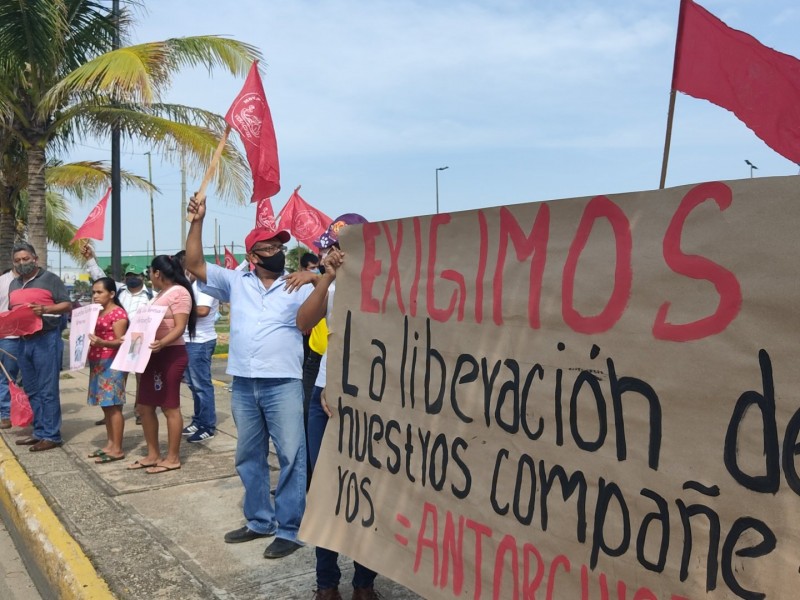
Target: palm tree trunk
(37, 229)
(8, 229)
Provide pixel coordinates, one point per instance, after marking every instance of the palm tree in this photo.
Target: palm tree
(82, 180)
(60, 80)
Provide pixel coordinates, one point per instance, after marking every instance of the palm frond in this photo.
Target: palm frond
(30, 35)
(86, 179)
(60, 229)
(90, 31)
(139, 74)
(172, 136)
(211, 51)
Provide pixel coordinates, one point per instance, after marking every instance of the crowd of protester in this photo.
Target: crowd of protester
(279, 326)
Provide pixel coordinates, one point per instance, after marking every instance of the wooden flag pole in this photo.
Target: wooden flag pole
(671, 111)
(667, 140)
(200, 195)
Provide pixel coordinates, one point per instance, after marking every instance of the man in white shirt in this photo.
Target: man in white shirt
(198, 373)
(132, 292)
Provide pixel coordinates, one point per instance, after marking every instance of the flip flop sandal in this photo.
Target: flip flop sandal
(107, 458)
(96, 454)
(162, 469)
(140, 465)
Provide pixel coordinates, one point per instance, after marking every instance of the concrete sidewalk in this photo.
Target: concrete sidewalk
(127, 534)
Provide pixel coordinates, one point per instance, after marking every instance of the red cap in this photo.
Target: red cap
(262, 234)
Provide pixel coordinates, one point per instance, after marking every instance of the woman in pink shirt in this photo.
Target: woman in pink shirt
(106, 386)
(161, 381)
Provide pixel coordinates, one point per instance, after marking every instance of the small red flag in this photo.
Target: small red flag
(94, 225)
(265, 216)
(732, 69)
(303, 221)
(250, 116)
(230, 259)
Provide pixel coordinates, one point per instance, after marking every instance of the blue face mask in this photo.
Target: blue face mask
(133, 282)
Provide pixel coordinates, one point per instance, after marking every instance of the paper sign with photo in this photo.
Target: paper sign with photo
(83, 323)
(134, 353)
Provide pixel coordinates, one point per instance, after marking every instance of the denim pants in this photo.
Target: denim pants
(264, 409)
(40, 364)
(198, 375)
(328, 572)
(10, 345)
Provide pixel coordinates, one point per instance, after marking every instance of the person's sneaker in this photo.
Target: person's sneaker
(244, 534)
(5, 423)
(189, 429)
(201, 435)
(280, 548)
(327, 594)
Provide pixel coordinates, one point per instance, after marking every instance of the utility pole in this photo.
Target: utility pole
(152, 212)
(116, 178)
(183, 200)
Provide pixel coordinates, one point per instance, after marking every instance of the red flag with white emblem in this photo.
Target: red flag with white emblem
(265, 216)
(303, 221)
(250, 116)
(230, 259)
(94, 225)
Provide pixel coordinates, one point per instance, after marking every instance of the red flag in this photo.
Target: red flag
(95, 223)
(732, 69)
(249, 115)
(265, 217)
(20, 320)
(303, 221)
(230, 259)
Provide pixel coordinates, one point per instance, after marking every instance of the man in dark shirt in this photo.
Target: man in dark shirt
(39, 355)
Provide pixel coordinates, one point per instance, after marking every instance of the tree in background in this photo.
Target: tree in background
(293, 257)
(60, 81)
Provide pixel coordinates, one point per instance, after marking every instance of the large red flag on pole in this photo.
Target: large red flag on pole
(94, 225)
(732, 69)
(230, 259)
(250, 116)
(303, 221)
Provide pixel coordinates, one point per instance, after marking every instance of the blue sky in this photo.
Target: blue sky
(522, 100)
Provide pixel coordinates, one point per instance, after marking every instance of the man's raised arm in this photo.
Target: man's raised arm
(195, 260)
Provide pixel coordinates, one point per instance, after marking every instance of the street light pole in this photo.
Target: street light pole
(437, 186)
(752, 166)
(152, 212)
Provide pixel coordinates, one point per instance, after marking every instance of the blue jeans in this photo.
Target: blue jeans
(40, 364)
(328, 572)
(12, 366)
(198, 375)
(264, 408)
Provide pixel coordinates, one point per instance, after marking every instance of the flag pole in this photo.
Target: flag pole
(200, 195)
(667, 140)
(671, 110)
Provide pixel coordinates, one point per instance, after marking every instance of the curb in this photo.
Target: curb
(59, 557)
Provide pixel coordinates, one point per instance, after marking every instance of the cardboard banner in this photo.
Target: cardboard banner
(18, 321)
(135, 352)
(586, 398)
(81, 326)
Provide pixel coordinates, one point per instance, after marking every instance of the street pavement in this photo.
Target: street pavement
(128, 534)
(15, 582)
